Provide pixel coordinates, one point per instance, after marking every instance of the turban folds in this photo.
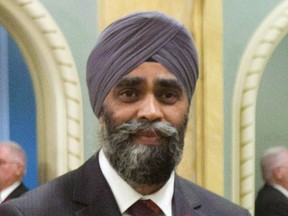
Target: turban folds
(130, 41)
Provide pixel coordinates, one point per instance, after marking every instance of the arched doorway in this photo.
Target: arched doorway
(56, 85)
(267, 37)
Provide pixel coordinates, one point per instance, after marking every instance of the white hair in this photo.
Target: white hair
(272, 158)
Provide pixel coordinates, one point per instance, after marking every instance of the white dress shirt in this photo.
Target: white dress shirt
(281, 189)
(126, 196)
(5, 193)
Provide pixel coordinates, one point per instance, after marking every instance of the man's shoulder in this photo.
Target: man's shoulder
(201, 192)
(268, 194)
(59, 182)
(210, 202)
(44, 199)
(63, 185)
(270, 201)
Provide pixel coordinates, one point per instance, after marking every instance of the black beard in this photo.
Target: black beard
(140, 164)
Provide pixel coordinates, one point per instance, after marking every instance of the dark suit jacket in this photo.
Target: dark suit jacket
(271, 202)
(86, 192)
(21, 189)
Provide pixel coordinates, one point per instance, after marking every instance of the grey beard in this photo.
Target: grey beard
(141, 164)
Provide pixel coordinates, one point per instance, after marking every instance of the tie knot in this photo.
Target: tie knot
(145, 208)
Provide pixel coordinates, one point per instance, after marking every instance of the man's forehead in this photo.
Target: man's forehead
(130, 80)
(150, 70)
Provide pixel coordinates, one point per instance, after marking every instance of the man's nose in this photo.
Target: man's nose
(150, 109)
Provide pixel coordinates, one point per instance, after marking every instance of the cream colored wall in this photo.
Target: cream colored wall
(110, 10)
(207, 18)
(77, 20)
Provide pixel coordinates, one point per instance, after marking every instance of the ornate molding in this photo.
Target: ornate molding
(252, 66)
(56, 85)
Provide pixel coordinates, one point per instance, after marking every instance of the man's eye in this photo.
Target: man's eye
(168, 97)
(128, 95)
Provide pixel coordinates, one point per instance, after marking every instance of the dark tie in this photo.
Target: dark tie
(145, 208)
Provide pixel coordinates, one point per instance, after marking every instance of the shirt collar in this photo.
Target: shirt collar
(5, 192)
(281, 189)
(120, 189)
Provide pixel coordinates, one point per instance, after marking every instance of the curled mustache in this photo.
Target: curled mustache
(133, 127)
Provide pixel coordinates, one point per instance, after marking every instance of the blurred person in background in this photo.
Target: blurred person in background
(272, 198)
(12, 171)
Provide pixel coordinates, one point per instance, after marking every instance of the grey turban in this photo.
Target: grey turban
(130, 41)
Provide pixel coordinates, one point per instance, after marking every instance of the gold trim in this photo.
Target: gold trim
(213, 96)
(197, 31)
(207, 31)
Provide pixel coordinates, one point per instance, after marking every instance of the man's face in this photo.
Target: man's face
(9, 169)
(144, 118)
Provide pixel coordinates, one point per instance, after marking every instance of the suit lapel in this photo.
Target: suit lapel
(185, 202)
(92, 190)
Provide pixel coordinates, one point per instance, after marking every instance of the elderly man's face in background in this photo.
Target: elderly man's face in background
(10, 169)
(144, 118)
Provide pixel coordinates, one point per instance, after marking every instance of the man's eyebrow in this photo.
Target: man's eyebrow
(129, 81)
(169, 83)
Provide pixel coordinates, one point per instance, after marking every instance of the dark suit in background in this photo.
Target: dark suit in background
(271, 202)
(86, 192)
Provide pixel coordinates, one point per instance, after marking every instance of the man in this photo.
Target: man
(141, 77)
(12, 171)
(272, 199)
